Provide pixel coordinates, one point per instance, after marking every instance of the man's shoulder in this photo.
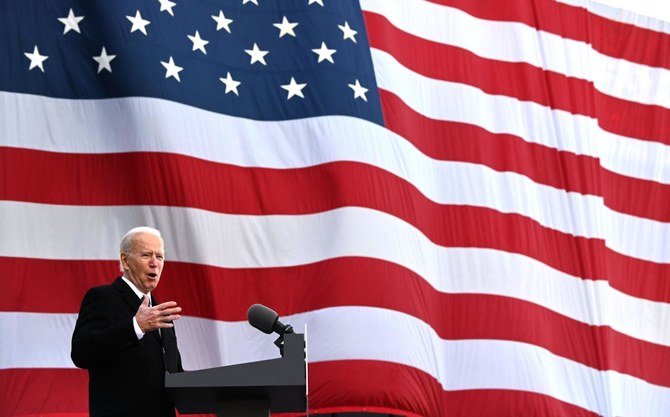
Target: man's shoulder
(106, 289)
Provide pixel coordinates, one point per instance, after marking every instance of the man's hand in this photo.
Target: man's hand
(157, 317)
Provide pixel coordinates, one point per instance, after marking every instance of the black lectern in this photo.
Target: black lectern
(248, 389)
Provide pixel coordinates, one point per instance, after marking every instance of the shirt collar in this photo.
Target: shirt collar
(136, 290)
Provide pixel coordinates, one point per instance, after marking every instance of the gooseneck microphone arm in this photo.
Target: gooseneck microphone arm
(267, 320)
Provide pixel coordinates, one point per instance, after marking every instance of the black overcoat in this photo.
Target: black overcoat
(126, 375)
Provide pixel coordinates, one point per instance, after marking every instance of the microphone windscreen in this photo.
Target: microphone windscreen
(262, 318)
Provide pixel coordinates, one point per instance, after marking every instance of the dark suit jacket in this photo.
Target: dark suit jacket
(126, 375)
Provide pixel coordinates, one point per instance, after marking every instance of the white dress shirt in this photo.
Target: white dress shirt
(140, 294)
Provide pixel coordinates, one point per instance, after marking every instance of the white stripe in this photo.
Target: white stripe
(530, 121)
(558, 129)
(386, 335)
(102, 126)
(74, 126)
(648, 14)
(229, 241)
(35, 340)
(451, 101)
(370, 334)
(517, 42)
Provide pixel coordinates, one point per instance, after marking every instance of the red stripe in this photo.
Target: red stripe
(39, 391)
(635, 196)
(612, 38)
(43, 392)
(520, 80)
(370, 383)
(340, 386)
(446, 62)
(52, 415)
(453, 141)
(345, 282)
(582, 174)
(48, 177)
(635, 120)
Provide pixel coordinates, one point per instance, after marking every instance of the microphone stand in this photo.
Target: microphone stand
(280, 340)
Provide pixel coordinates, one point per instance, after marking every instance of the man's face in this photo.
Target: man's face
(144, 262)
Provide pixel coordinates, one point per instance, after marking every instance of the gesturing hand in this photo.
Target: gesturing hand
(157, 317)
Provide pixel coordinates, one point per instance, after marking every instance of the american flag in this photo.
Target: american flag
(466, 202)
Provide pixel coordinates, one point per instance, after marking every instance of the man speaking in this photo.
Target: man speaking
(125, 340)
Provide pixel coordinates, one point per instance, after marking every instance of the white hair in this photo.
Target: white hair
(127, 241)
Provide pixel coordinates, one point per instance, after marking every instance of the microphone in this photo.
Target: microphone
(267, 320)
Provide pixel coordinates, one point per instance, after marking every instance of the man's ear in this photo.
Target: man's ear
(124, 261)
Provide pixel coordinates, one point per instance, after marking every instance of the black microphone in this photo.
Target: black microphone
(267, 320)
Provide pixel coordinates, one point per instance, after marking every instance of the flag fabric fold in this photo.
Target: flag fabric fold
(467, 203)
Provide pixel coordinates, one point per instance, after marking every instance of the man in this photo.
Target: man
(125, 340)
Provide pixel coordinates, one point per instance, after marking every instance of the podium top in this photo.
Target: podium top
(280, 382)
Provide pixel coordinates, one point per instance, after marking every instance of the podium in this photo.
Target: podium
(248, 389)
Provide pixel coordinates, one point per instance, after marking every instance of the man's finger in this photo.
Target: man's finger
(171, 311)
(167, 304)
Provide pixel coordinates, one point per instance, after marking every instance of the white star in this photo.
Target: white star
(222, 22)
(138, 23)
(250, 1)
(71, 22)
(198, 42)
(359, 90)
(319, 2)
(294, 89)
(348, 32)
(172, 70)
(36, 60)
(167, 5)
(285, 27)
(257, 55)
(104, 60)
(231, 85)
(324, 53)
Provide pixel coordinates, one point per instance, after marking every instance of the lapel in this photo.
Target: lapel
(127, 294)
(133, 302)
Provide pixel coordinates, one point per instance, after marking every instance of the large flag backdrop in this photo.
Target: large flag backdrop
(467, 202)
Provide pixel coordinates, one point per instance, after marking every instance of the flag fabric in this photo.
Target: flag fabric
(467, 203)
